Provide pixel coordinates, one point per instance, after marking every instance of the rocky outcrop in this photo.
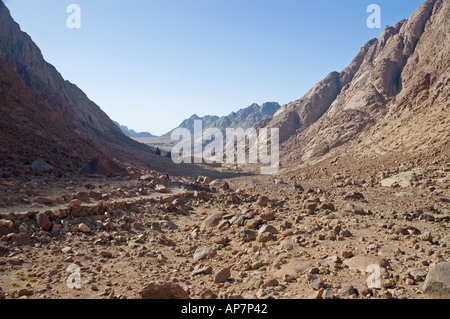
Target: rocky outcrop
(398, 81)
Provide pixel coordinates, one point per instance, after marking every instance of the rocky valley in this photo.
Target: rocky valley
(360, 207)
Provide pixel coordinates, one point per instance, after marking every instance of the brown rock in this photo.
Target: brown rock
(25, 292)
(213, 220)
(223, 275)
(208, 295)
(21, 239)
(437, 283)
(267, 216)
(3, 231)
(43, 221)
(361, 262)
(262, 201)
(83, 228)
(270, 283)
(295, 268)
(15, 261)
(163, 291)
(248, 235)
(204, 253)
(6, 223)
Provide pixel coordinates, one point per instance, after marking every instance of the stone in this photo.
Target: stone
(163, 291)
(83, 228)
(24, 292)
(270, 283)
(106, 254)
(248, 235)
(162, 189)
(6, 223)
(67, 250)
(267, 216)
(43, 221)
(264, 237)
(295, 268)
(220, 240)
(82, 196)
(355, 209)
(213, 220)
(268, 229)
(204, 253)
(223, 275)
(262, 201)
(208, 295)
(44, 200)
(253, 223)
(347, 290)
(41, 166)
(437, 283)
(287, 244)
(204, 180)
(426, 236)
(361, 262)
(310, 205)
(21, 239)
(3, 231)
(328, 294)
(15, 261)
(202, 271)
(2, 294)
(317, 284)
(328, 206)
(354, 196)
(75, 203)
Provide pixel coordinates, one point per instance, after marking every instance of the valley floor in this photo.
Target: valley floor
(297, 236)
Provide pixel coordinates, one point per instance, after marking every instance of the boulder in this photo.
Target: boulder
(437, 283)
(163, 291)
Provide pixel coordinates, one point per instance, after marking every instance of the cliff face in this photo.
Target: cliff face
(392, 97)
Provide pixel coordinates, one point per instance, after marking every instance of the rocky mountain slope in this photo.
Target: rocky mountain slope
(392, 99)
(132, 133)
(244, 118)
(46, 115)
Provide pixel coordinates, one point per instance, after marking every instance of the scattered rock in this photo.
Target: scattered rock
(223, 275)
(267, 216)
(43, 221)
(84, 228)
(248, 235)
(25, 292)
(21, 239)
(213, 220)
(204, 253)
(361, 262)
(41, 166)
(295, 268)
(262, 201)
(355, 209)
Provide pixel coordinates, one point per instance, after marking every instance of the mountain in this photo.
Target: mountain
(189, 123)
(392, 99)
(244, 118)
(46, 117)
(132, 133)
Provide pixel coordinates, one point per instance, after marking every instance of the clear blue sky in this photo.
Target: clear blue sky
(149, 64)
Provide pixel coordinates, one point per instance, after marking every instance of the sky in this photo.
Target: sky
(149, 64)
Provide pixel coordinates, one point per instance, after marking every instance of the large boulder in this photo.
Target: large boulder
(103, 165)
(163, 291)
(437, 283)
